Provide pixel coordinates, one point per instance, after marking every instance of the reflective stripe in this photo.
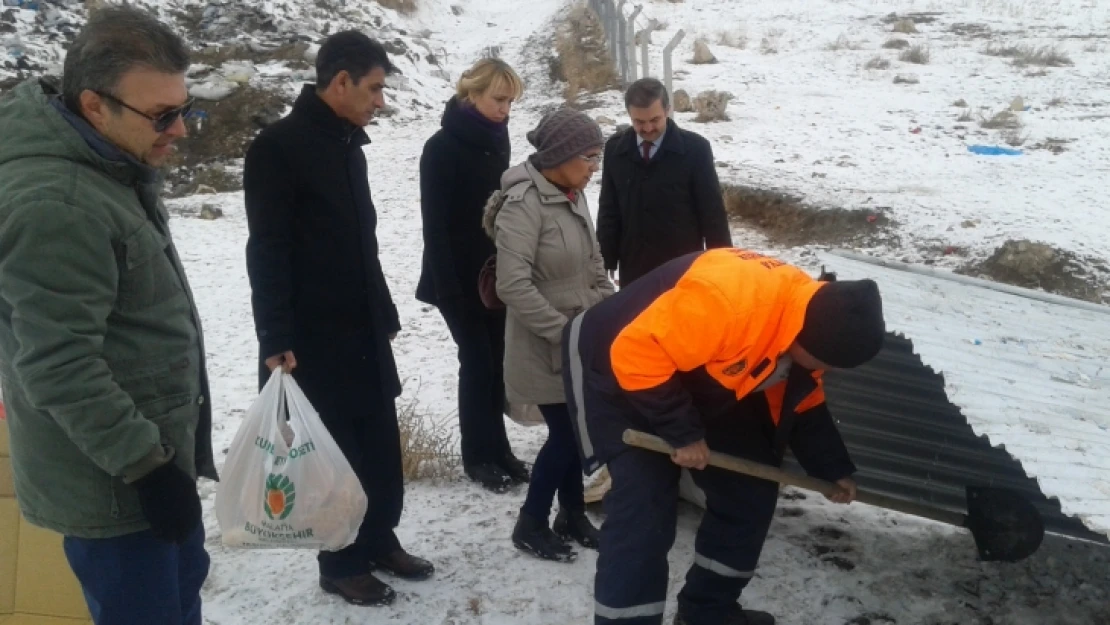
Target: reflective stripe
(576, 388)
(720, 569)
(636, 611)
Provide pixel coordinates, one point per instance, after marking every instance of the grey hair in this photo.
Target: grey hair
(116, 40)
(645, 92)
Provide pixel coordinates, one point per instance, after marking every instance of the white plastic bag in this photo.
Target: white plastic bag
(287, 485)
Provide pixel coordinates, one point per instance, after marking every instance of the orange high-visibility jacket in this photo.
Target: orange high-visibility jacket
(687, 343)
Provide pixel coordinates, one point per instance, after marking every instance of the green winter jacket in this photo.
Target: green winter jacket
(101, 352)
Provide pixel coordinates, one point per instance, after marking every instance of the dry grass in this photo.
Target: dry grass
(427, 446)
(772, 40)
(966, 116)
(877, 62)
(1057, 101)
(405, 7)
(1025, 55)
(843, 43)
(1014, 136)
(906, 27)
(737, 38)
(584, 61)
(1002, 120)
(896, 44)
(916, 54)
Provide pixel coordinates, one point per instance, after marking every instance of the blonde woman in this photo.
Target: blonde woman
(461, 166)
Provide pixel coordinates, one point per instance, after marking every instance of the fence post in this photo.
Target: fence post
(645, 39)
(622, 48)
(630, 32)
(667, 74)
(611, 29)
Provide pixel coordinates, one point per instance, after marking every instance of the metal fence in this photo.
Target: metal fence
(624, 38)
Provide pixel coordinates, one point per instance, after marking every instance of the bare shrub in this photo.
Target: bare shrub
(1044, 56)
(896, 44)
(1025, 55)
(771, 41)
(1000, 121)
(1014, 136)
(916, 54)
(842, 43)
(906, 27)
(737, 38)
(966, 116)
(584, 61)
(712, 106)
(406, 7)
(427, 446)
(877, 62)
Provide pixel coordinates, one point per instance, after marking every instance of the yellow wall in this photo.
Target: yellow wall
(37, 586)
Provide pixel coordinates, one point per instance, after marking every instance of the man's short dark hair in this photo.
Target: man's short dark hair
(350, 51)
(116, 40)
(645, 92)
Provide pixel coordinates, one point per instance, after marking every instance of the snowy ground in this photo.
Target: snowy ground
(802, 111)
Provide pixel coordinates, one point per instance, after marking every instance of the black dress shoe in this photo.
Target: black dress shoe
(517, 469)
(575, 525)
(362, 589)
(490, 476)
(736, 617)
(404, 565)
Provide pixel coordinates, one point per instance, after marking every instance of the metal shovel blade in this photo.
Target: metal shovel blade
(1005, 525)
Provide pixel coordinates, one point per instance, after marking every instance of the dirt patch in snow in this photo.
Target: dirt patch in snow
(292, 54)
(788, 221)
(1035, 265)
(220, 132)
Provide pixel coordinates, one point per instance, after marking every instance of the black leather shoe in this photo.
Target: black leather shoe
(737, 617)
(517, 469)
(404, 565)
(490, 476)
(576, 526)
(362, 589)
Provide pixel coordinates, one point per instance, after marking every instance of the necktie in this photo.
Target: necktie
(646, 146)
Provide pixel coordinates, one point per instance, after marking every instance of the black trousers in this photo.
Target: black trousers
(557, 467)
(342, 385)
(480, 337)
(639, 530)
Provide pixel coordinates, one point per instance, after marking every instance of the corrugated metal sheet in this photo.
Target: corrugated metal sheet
(986, 385)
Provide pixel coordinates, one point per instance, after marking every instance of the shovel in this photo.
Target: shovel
(1006, 527)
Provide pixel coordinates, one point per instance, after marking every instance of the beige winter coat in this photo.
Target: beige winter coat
(549, 269)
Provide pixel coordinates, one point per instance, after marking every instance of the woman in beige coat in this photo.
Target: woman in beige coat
(549, 269)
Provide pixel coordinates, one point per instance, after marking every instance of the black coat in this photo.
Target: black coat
(461, 166)
(652, 212)
(312, 254)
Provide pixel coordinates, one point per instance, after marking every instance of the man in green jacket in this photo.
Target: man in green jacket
(101, 350)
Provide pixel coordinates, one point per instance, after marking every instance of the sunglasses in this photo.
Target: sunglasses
(163, 121)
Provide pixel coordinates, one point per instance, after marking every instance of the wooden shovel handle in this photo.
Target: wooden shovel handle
(647, 441)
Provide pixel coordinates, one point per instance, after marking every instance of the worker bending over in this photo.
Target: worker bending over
(720, 349)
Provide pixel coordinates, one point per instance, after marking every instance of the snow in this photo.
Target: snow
(803, 111)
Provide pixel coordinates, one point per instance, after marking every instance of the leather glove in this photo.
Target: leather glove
(170, 502)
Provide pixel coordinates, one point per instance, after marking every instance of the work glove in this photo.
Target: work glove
(170, 502)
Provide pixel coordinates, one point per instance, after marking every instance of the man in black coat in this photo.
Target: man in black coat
(322, 308)
(660, 197)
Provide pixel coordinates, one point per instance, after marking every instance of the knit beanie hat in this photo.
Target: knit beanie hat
(562, 135)
(844, 324)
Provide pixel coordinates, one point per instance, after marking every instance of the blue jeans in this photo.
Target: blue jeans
(557, 468)
(138, 579)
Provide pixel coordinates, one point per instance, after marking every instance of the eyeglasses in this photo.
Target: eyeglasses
(593, 160)
(161, 122)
